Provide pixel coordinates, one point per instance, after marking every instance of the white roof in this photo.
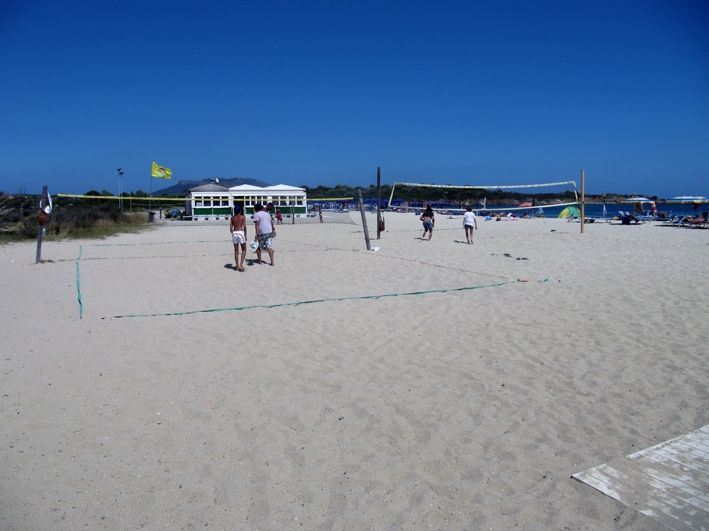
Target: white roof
(209, 187)
(274, 188)
(285, 187)
(247, 187)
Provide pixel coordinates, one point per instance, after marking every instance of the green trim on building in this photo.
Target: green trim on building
(209, 211)
(287, 210)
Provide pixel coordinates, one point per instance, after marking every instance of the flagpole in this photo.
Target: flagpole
(120, 189)
(150, 195)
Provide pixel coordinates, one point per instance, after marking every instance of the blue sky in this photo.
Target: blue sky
(324, 92)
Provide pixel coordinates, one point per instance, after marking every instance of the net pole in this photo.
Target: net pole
(364, 221)
(391, 196)
(379, 202)
(40, 236)
(583, 199)
(42, 219)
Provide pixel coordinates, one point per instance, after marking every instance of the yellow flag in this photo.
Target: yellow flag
(161, 172)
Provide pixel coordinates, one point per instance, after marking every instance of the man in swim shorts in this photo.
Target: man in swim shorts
(429, 221)
(264, 232)
(470, 223)
(237, 227)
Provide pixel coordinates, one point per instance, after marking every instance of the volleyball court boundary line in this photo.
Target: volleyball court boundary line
(506, 280)
(79, 298)
(314, 301)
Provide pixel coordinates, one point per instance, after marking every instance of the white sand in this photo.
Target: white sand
(462, 409)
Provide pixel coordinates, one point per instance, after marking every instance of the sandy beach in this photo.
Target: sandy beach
(182, 394)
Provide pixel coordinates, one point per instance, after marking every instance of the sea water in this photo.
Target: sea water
(595, 210)
(591, 210)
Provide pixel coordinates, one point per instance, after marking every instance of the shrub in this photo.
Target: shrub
(81, 218)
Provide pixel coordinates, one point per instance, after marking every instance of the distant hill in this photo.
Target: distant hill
(181, 187)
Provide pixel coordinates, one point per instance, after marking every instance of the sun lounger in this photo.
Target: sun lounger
(699, 222)
(626, 218)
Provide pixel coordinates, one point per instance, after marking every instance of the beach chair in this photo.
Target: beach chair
(699, 222)
(675, 221)
(626, 218)
(646, 215)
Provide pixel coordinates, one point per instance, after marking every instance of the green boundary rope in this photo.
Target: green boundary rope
(313, 301)
(78, 283)
(151, 244)
(278, 305)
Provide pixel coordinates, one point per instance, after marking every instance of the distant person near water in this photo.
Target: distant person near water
(265, 232)
(429, 220)
(237, 227)
(470, 224)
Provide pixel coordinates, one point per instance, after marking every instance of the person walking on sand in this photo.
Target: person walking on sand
(279, 216)
(429, 220)
(237, 227)
(265, 232)
(470, 223)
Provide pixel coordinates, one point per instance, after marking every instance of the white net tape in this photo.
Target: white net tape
(570, 184)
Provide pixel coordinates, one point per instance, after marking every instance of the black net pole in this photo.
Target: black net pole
(379, 202)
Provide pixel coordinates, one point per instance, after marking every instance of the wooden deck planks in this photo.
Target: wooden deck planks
(668, 482)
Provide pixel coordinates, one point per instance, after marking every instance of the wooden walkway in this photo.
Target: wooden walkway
(668, 482)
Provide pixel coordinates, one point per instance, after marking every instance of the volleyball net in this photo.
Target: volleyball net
(217, 210)
(532, 199)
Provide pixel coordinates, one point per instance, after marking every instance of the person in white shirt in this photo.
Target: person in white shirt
(264, 233)
(470, 223)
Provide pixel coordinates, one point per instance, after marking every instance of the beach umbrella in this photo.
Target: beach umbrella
(688, 199)
(569, 212)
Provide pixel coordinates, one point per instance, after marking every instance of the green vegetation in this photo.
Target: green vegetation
(97, 218)
(450, 195)
(77, 218)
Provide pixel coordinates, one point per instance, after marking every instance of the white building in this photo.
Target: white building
(212, 201)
